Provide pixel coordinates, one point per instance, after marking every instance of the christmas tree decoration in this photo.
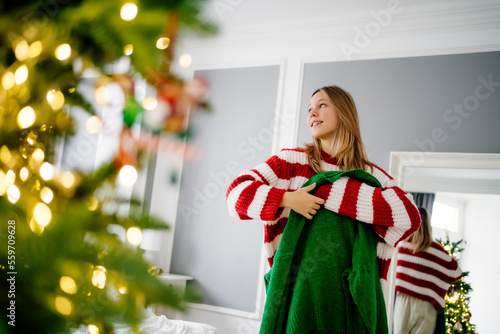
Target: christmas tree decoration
(457, 309)
(63, 264)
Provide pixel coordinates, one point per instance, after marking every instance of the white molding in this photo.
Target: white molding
(402, 163)
(336, 26)
(225, 310)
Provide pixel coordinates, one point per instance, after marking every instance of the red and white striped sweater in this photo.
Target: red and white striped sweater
(426, 275)
(257, 193)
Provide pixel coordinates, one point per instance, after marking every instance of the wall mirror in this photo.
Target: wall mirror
(472, 181)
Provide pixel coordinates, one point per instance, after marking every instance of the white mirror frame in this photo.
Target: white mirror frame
(402, 163)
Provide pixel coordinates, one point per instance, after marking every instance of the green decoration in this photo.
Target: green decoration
(61, 264)
(457, 299)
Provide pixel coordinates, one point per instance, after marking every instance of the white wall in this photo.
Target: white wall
(480, 257)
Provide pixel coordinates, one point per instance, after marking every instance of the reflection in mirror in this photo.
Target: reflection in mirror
(466, 187)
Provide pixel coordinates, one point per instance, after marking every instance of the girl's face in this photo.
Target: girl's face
(323, 119)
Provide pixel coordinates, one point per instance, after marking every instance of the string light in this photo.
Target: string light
(127, 175)
(162, 43)
(21, 50)
(93, 124)
(63, 305)
(10, 177)
(35, 49)
(185, 60)
(128, 49)
(35, 227)
(63, 52)
(24, 173)
(13, 194)
(128, 12)
(5, 154)
(8, 80)
(99, 277)
(68, 285)
(134, 236)
(149, 103)
(55, 99)
(67, 179)
(3, 184)
(46, 195)
(21, 74)
(47, 171)
(122, 289)
(92, 203)
(42, 214)
(100, 95)
(93, 329)
(38, 155)
(26, 117)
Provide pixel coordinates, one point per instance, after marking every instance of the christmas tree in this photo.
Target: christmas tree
(457, 310)
(61, 264)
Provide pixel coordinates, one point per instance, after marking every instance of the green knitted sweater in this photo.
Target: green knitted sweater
(325, 276)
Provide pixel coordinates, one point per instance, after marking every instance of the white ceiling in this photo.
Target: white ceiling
(230, 13)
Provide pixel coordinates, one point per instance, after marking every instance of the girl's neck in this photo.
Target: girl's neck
(327, 147)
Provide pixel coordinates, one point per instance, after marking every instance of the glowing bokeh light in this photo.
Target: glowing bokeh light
(128, 12)
(26, 117)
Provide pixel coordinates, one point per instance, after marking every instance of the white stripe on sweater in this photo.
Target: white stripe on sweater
(427, 263)
(423, 291)
(399, 214)
(272, 246)
(423, 276)
(233, 197)
(255, 207)
(364, 205)
(336, 194)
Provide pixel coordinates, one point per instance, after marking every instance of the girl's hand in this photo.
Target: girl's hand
(302, 202)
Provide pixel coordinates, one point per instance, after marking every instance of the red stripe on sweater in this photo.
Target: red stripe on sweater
(246, 197)
(422, 283)
(425, 298)
(383, 266)
(350, 199)
(271, 209)
(382, 213)
(286, 170)
(323, 190)
(270, 260)
(236, 182)
(272, 231)
(243, 178)
(450, 265)
(427, 270)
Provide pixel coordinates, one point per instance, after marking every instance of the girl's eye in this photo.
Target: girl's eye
(322, 105)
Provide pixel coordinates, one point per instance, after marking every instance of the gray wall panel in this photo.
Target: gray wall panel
(222, 253)
(402, 101)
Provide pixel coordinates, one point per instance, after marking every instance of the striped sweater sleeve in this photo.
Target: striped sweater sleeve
(389, 209)
(254, 195)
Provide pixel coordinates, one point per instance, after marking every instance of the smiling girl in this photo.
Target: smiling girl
(270, 190)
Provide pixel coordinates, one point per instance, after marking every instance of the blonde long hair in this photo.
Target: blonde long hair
(422, 238)
(348, 147)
